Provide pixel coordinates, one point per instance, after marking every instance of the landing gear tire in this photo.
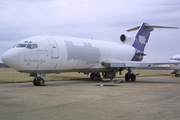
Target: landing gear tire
(177, 75)
(133, 77)
(41, 82)
(35, 82)
(127, 77)
(38, 82)
(95, 75)
(92, 76)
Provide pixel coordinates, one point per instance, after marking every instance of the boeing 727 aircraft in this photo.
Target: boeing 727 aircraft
(40, 55)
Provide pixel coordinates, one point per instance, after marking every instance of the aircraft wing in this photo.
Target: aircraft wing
(165, 63)
(131, 64)
(125, 64)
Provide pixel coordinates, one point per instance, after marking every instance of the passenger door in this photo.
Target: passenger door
(54, 48)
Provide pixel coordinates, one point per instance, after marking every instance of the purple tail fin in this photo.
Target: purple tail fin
(141, 39)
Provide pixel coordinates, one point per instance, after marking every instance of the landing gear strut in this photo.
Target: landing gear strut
(130, 75)
(38, 81)
(110, 73)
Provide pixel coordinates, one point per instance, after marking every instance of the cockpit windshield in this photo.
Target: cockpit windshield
(21, 45)
(29, 46)
(32, 46)
(178, 59)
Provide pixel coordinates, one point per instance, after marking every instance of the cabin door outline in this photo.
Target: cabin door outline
(54, 48)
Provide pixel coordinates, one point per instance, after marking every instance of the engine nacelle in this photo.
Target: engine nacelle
(127, 39)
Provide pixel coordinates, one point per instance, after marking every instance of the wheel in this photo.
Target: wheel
(127, 77)
(92, 76)
(133, 77)
(35, 82)
(97, 75)
(175, 75)
(41, 82)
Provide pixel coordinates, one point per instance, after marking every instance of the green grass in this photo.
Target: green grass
(9, 75)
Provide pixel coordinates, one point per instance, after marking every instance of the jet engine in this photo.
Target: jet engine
(127, 39)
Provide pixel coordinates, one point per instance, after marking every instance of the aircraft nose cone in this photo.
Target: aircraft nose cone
(11, 58)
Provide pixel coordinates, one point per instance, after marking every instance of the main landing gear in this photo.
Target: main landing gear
(106, 74)
(38, 81)
(177, 73)
(129, 75)
(94, 75)
(111, 73)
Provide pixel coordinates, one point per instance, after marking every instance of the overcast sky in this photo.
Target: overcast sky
(103, 20)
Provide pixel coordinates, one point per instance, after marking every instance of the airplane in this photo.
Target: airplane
(174, 65)
(44, 54)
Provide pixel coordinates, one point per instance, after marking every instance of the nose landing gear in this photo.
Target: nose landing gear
(38, 81)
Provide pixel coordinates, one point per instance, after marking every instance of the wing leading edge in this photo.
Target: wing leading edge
(132, 64)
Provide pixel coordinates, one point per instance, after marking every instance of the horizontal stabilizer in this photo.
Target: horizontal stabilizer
(151, 26)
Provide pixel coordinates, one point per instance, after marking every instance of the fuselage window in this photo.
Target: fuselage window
(21, 45)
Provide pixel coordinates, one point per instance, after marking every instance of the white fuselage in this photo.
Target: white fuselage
(64, 54)
(174, 59)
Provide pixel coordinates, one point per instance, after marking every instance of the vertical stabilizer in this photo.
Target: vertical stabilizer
(142, 37)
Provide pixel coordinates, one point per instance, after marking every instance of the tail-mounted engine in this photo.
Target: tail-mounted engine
(126, 39)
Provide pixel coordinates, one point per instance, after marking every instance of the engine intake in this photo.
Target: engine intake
(122, 37)
(126, 39)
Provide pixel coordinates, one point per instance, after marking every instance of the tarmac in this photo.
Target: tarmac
(149, 98)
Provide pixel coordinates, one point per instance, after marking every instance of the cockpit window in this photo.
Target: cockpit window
(32, 46)
(21, 45)
(29, 46)
(178, 59)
